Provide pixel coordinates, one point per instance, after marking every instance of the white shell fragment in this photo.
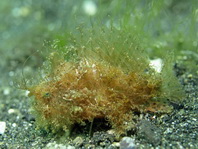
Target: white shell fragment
(2, 127)
(156, 64)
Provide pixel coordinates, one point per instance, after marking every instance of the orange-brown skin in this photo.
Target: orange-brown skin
(88, 89)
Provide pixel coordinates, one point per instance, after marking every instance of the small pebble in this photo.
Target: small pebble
(78, 141)
(13, 111)
(54, 145)
(2, 127)
(70, 147)
(168, 130)
(111, 132)
(10, 111)
(116, 144)
(14, 125)
(127, 143)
